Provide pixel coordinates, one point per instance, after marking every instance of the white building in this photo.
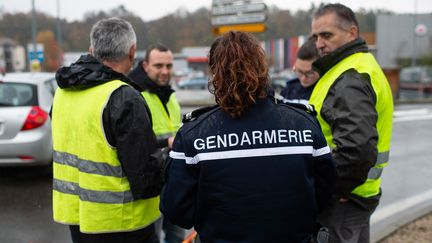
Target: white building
(12, 56)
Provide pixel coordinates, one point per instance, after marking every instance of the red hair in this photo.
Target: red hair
(239, 72)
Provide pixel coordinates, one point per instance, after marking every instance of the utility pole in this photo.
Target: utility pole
(34, 30)
(59, 33)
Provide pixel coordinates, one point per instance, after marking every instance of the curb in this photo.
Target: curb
(390, 218)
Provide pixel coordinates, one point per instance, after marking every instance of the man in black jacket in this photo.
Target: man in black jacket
(153, 76)
(354, 104)
(107, 171)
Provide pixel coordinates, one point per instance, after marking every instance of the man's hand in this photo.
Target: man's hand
(170, 142)
(343, 199)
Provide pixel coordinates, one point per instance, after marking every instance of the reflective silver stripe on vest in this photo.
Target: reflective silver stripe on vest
(87, 166)
(91, 195)
(382, 157)
(375, 172)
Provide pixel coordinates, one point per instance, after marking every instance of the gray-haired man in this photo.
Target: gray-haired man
(107, 175)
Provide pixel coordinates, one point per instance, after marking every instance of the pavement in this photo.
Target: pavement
(406, 181)
(390, 218)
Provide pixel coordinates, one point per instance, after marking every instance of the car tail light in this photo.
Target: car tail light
(35, 118)
(26, 157)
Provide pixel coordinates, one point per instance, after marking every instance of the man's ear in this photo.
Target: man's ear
(90, 50)
(145, 65)
(354, 32)
(132, 52)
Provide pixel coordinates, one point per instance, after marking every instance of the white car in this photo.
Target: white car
(25, 127)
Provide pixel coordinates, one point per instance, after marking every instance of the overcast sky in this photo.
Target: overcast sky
(153, 9)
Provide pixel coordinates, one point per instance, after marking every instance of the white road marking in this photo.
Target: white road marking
(423, 111)
(412, 115)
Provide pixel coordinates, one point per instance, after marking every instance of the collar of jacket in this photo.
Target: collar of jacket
(139, 76)
(323, 64)
(86, 72)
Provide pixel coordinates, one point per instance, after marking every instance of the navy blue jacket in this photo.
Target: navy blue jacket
(260, 178)
(295, 92)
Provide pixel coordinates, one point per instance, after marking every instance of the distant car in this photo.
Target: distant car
(193, 83)
(416, 78)
(279, 80)
(25, 127)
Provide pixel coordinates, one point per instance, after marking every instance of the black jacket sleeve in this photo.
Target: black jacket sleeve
(128, 128)
(324, 171)
(349, 108)
(178, 197)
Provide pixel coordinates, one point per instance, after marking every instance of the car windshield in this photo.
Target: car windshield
(17, 94)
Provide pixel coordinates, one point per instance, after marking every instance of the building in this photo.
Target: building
(397, 40)
(71, 57)
(12, 56)
(196, 58)
(282, 53)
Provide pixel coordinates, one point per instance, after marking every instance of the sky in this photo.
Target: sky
(154, 9)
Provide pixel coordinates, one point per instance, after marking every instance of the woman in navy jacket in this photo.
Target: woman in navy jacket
(248, 169)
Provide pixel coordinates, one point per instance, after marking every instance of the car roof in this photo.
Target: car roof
(27, 77)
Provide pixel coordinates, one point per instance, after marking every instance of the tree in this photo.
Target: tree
(182, 28)
(51, 50)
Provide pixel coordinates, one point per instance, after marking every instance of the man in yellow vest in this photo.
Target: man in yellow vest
(355, 105)
(107, 167)
(153, 76)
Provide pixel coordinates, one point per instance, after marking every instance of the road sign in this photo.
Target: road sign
(220, 2)
(258, 27)
(420, 30)
(241, 15)
(238, 19)
(39, 55)
(235, 9)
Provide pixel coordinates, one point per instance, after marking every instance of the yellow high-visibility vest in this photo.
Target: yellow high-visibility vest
(362, 63)
(90, 188)
(164, 124)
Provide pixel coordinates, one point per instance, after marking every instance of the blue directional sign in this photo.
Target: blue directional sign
(39, 55)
